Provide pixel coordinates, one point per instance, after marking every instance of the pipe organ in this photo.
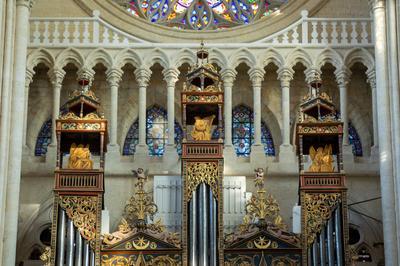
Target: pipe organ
(79, 179)
(202, 165)
(322, 187)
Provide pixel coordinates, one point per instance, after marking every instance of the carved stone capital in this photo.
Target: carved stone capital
(27, 3)
(374, 4)
(312, 74)
(56, 76)
(228, 76)
(87, 74)
(343, 76)
(285, 75)
(29, 76)
(143, 76)
(371, 78)
(256, 76)
(114, 76)
(171, 76)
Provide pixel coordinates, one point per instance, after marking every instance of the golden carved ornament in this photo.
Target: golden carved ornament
(46, 256)
(139, 260)
(82, 210)
(79, 157)
(199, 172)
(240, 260)
(263, 207)
(73, 116)
(202, 128)
(322, 159)
(140, 206)
(318, 209)
(86, 92)
(284, 261)
(262, 243)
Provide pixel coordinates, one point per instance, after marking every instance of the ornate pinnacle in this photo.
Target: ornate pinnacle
(140, 207)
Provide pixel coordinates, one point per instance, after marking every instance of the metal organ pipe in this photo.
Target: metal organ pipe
(86, 253)
(322, 246)
(213, 229)
(61, 237)
(192, 229)
(338, 236)
(315, 253)
(331, 252)
(78, 248)
(70, 243)
(92, 258)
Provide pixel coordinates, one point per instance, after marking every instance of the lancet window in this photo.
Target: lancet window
(243, 132)
(156, 133)
(44, 137)
(354, 140)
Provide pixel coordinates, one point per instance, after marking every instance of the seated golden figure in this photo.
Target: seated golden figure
(322, 160)
(79, 157)
(202, 128)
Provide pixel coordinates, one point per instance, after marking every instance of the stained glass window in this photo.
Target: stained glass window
(156, 133)
(243, 132)
(354, 140)
(44, 137)
(201, 14)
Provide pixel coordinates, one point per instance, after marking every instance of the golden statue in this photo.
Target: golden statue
(79, 157)
(202, 128)
(322, 159)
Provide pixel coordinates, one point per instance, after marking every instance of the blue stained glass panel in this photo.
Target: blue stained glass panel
(156, 133)
(243, 132)
(354, 140)
(44, 137)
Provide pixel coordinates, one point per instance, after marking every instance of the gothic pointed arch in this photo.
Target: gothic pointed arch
(156, 133)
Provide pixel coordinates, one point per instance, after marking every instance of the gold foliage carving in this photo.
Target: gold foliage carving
(199, 172)
(283, 261)
(239, 260)
(318, 209)
(139, 260)
(82, 211)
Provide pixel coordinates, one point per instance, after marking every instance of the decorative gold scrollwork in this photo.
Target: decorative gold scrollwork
(240, 260)
(140, 260)
(318, 209)
(82, 210)
(198, 172)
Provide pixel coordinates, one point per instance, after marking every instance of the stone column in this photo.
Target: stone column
(28, 81)
(16, 131)
(143, 77)
(228, 77)
(372, 82)
(56, 77)
(285, 75)
(114, 77)
(342, 79)
(256, 77)
(390, 232)
(5, 121)
(171, 77)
